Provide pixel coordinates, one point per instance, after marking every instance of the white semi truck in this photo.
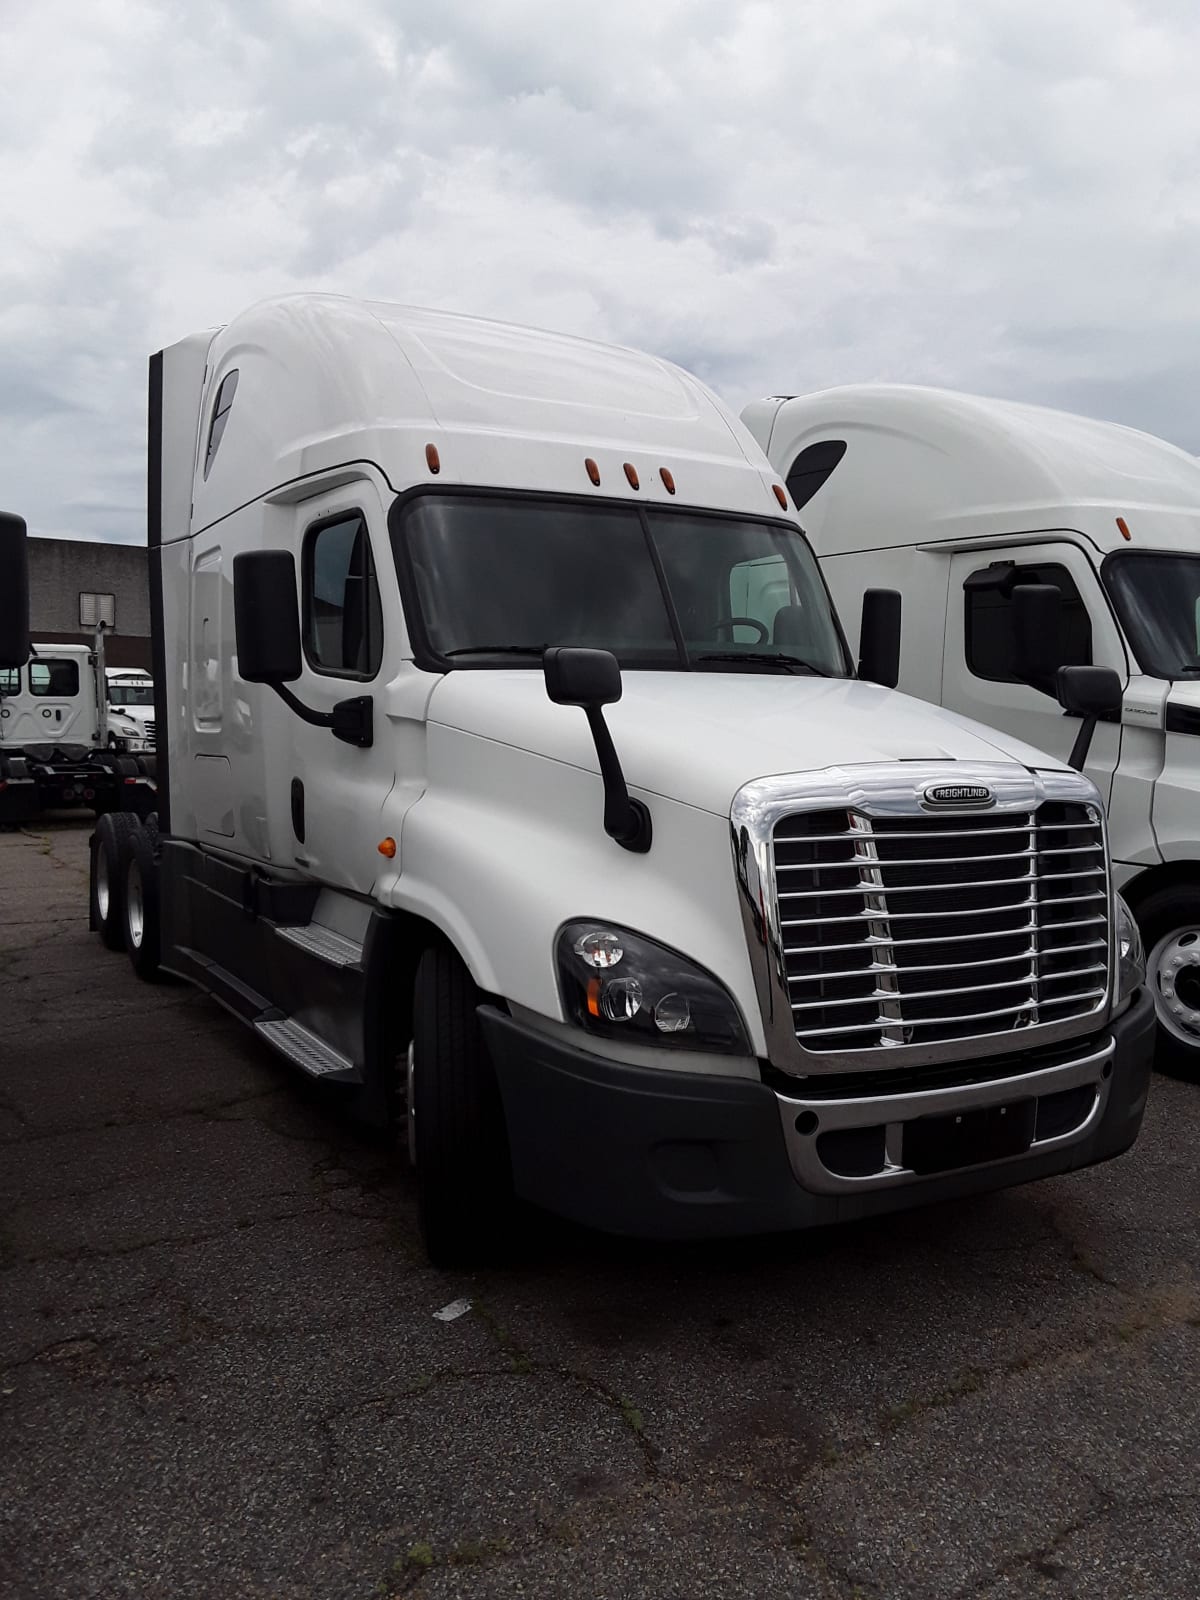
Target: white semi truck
(130, 692)
(515, 779)
(1024, 539)
(62, 744)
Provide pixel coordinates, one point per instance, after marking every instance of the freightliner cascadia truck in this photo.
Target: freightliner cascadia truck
(516, 780)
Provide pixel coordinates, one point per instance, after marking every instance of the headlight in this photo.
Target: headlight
(1131, 956)
(621, 986)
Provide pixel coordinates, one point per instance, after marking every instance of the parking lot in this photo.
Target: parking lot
(223, 1372)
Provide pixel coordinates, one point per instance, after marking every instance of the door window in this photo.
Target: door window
(343, 619)
(57, 678)
(991, 645)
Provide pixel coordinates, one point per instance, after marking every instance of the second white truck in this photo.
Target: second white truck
(971, 506)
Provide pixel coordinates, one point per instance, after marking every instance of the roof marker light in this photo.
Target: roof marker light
(593, 471)
(779, 495)
(387, 847)
(432, 460)
(1123, 528)
(668, 479)
(631, 474)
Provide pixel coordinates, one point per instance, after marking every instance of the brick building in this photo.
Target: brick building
(75, 583)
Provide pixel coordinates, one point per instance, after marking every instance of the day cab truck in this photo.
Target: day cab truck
(130, 694)
(1023, 540)
(515, 779)
(60, 743)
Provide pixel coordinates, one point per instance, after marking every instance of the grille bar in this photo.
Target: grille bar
(976, 1016)
(867, 944)
(992, 961)
(923, 916)
(939, 994)
(923, 888)
(892, 940)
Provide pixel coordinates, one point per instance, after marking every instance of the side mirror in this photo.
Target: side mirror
(1036, 612)
(266, 616)
(266, 624)
(591, 679)
(1090, 693)
(879, 638)
(14, 591)
(585, 678)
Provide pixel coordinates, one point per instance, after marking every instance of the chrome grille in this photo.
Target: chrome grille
(150, 729)
(916, 930)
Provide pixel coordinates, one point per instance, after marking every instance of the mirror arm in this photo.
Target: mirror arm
(352, 721)
(626, 820)
(1083, 743)
(316, 719)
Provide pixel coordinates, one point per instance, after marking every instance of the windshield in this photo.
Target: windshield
(1157, 597)
(506, 578)
(131, 694)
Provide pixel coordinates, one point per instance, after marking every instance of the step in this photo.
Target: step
(333, 948)
(307, 1050)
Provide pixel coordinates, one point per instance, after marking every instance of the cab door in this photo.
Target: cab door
(59, 707)
(980, 671)
(332, 793)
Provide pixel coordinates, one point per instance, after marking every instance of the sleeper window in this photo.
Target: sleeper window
(222, 406)
(343, 620)
(990, 640)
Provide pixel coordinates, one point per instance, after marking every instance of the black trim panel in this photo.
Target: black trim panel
(1182, 719)
(154, 539)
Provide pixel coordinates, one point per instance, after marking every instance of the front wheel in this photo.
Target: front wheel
(457, 1133)
(1170, 923)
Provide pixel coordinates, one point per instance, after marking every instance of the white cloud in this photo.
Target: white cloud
(781, 195)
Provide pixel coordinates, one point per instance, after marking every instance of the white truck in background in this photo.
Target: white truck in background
(1022, 540)
(516, 782)
(130, 693)
(61, 745)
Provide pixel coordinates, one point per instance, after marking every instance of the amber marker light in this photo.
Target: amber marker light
(631, 474)
(432, 460)
(593, 471)
(668, 479)
(387, 847)
(1123, 528)
(780, 496)
(593, 997)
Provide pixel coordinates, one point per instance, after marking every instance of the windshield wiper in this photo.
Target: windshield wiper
(497, 650)
(770, 657)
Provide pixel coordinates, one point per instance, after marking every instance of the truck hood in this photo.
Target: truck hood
(697, 737)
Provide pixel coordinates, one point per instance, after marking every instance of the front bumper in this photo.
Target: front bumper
(672, 1155)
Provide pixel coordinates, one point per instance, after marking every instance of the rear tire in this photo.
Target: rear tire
(458, 1134)
(106, 889)
(1169, 920)
(142, 926)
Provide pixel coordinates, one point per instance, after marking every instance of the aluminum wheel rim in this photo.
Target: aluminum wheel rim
(1173, 973)
(103, 891)
(134, 911)
(410, 1110)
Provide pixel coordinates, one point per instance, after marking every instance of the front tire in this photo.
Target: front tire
(456, 1119)
(1169, 921)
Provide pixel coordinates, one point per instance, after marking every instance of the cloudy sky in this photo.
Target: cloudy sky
(1001, 196)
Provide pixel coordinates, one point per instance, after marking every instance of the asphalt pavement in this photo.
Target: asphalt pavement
(223, 1373)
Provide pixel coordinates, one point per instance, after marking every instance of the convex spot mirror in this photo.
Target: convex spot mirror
(1089, 691)
(578, 677)
(266, 616)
